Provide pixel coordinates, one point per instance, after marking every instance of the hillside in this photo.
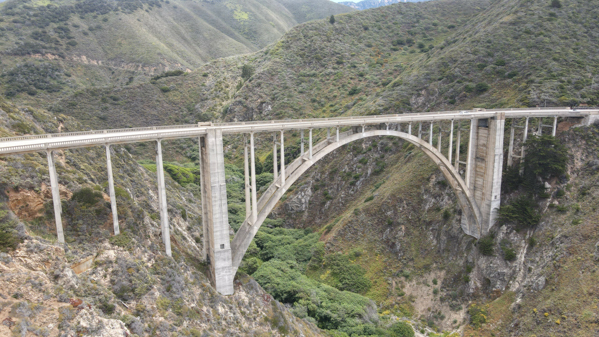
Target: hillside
(99, 43)
(367, 4)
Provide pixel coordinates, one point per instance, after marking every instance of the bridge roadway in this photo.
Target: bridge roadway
(70, 140)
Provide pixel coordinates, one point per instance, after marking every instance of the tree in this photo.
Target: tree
(332, 19)
(556, 4)
(247, 71)
(545, 158)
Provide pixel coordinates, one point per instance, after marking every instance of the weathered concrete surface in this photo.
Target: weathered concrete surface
(216, 218)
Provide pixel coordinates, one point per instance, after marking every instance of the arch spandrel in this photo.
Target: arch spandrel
(247, 231)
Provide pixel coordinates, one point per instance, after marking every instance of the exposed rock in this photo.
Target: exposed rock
(539, 283)
(300, 201)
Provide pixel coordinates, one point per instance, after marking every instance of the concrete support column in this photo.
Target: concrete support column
(430, 135)
(55, 197)
(363, 128)
(166, 236)
(510, 151)
(283, 158)
(302, 141)
(246, 168)
(450, 149)
(523, 149)
(310, 143)
(540, 126)
(554, 131)
(439, 141)
(216, 212)
(253, 189)
(205, 224)
(458, 143)
(420, 130)
(337, 136)
(495, 153)
(387, 124)
(115, 215)
(328, 133)
(275, 169)
(471, 147)
(410, 128)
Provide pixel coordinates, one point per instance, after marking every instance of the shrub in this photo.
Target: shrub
(332, 19)
(509, 254)
(165, 89)
(485, 245)
(247, 71)
(556, 4)
(481, 87)
(122, 240)
(9, 239)
(521, 211)
(500, 63)
(478, 316)
(401, 329)
(87, 196)
(354, 91)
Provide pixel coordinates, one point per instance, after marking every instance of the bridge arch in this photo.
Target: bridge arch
(247, 231)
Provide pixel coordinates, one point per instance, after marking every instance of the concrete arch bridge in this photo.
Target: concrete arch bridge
(475, 175)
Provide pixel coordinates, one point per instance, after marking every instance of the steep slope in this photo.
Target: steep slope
(367, 4)
(106, 42)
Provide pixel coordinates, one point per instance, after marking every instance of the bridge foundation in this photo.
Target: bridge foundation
(214, 206)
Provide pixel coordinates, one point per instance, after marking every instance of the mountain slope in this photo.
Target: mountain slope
(367, 4)
(107, 42)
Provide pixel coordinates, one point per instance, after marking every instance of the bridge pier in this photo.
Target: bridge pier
(283, 158)
(275, 169)
(115, 215)
(166, 236)
(55, 197)
(484, 169)
(215, 211)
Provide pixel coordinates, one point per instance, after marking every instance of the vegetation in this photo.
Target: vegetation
(522, 212)
(485, 245)
(546, 157)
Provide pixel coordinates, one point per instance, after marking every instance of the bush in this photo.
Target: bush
(521, 211)
(87, 196)
(247, 71)
(481, 87)
(478, 316)
(332, 19)
(354, 91)
(485, 245)
(9, 239)
(401, 329)
(556, 4)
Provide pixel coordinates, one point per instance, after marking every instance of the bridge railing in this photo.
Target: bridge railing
(97, 141)
(96, 132)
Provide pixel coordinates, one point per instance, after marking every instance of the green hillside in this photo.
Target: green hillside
(101, 42)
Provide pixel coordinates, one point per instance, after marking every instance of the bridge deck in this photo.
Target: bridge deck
(34, 143)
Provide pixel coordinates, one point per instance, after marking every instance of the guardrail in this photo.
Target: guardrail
(98, 141)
